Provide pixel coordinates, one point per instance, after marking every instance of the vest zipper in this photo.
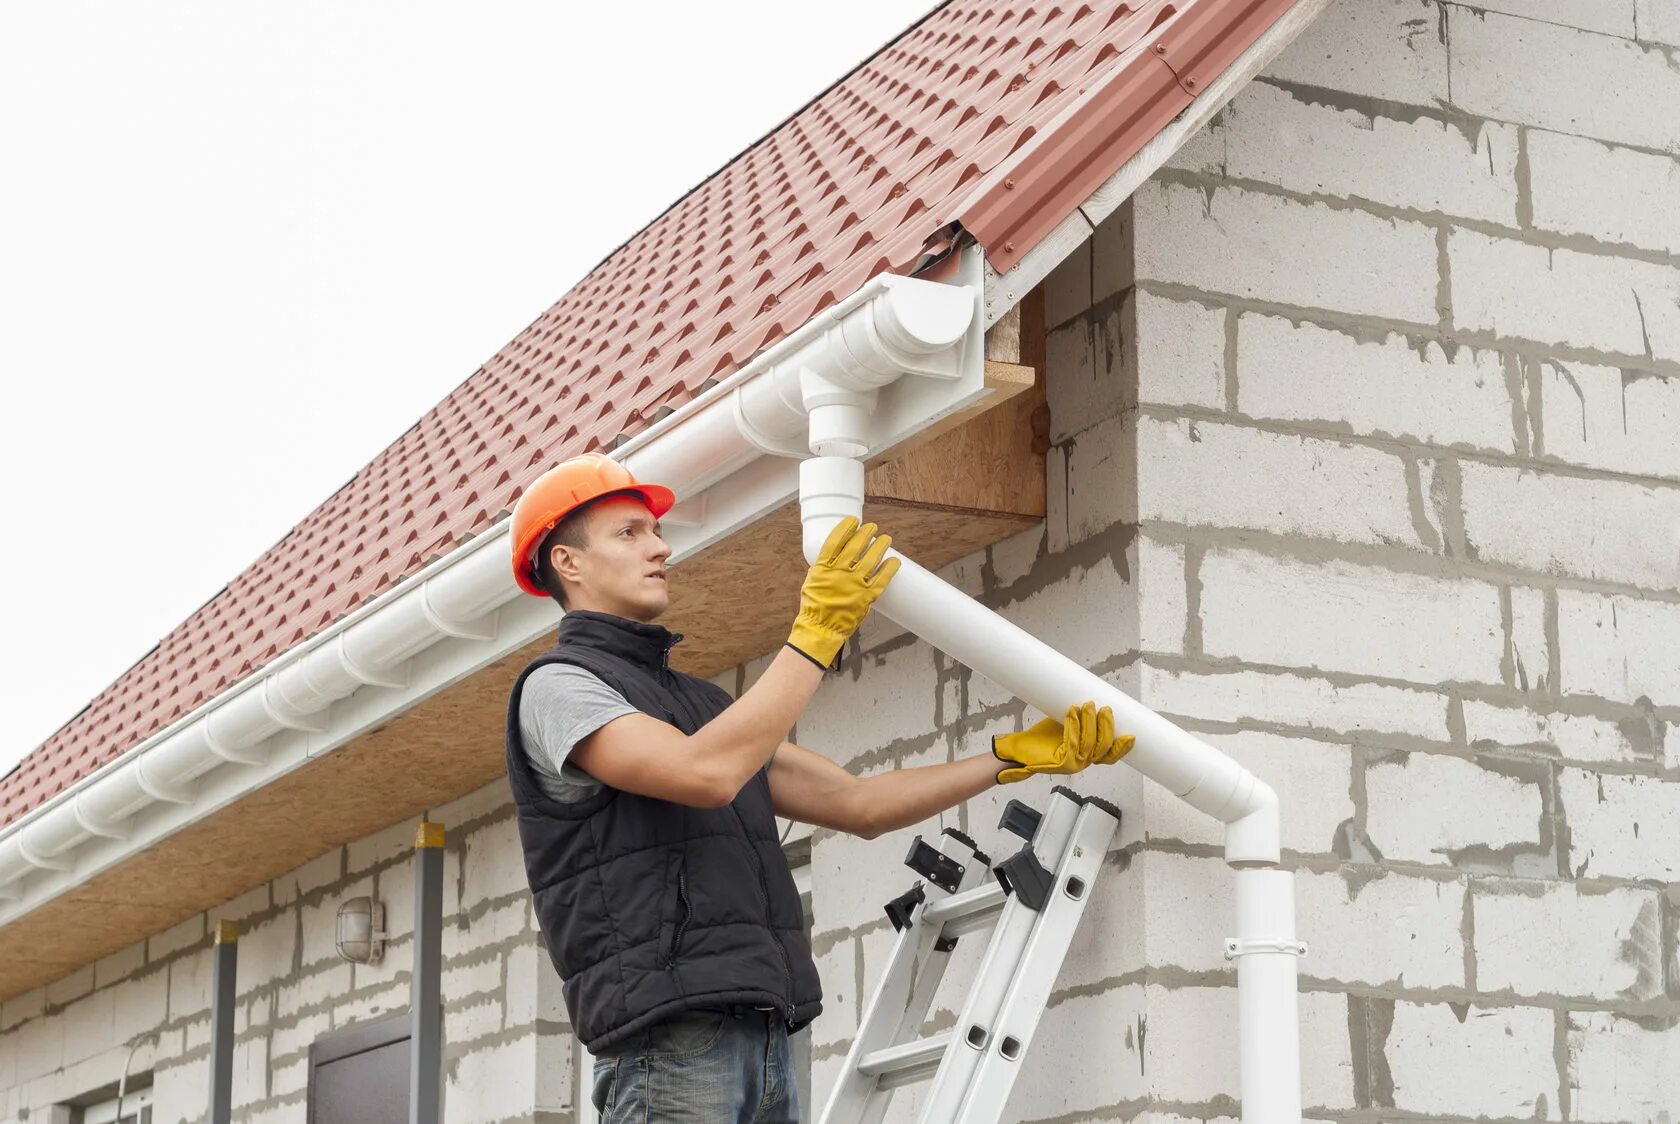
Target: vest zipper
(687, 912)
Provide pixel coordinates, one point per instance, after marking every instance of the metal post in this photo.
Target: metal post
(224, 969)
(425, 1073)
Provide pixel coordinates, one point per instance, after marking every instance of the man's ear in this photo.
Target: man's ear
(564, 560)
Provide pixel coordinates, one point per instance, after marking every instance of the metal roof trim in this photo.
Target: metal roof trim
(1024, 199)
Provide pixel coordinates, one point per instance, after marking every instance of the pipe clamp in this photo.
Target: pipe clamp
(1248, 946)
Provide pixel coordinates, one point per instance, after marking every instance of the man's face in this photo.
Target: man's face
(622, 570)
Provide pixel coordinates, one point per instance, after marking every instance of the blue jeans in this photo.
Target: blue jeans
(708, 1067)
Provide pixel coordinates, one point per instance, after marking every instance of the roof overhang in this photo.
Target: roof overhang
(914, 345)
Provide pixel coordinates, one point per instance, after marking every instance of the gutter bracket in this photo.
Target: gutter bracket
(290, 720)
(453, 628)
(396, 678)
(45, 862)
(162, 792)
(96, 826)
(259, 757)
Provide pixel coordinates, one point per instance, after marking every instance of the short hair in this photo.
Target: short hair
(572, 531)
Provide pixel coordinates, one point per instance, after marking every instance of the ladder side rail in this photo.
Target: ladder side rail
(1029, 991)
(973, 1031)
(910, 978)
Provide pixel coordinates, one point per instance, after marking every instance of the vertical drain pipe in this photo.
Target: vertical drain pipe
(425, 1004)
(224, 971)
(831, 487)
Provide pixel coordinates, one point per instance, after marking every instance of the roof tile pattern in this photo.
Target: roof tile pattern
(856, 183)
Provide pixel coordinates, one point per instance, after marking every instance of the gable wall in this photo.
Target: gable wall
(1364, 467)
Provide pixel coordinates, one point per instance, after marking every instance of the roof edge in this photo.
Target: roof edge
(463, 612)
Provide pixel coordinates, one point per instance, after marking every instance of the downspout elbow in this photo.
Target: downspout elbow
(1245, 804)
(1255, 836)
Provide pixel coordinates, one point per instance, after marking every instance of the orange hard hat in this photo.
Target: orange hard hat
(562, 490)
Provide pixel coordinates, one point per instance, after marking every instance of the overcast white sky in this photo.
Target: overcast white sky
(243, 247)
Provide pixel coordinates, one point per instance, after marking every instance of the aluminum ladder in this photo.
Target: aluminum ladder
(1033, 908)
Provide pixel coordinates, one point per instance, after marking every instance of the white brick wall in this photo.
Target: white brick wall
(1658, 21)
(1265, 247)
(1394, 930)
(1620, 647)
(1569, 175)
(1622, 826)
(1611, 17)
(1539, 939)
(1297, 141)
(1621, 1070)
(1534, 73)
(1180, 352)
(1425, 806)
(1566, 525)
(1473, 1061)
(1576, 737)
(1611, 418)
(1340, 616)
(1390, 49)
(1290, 485)
(1389, 387)
(1565, 297)
(1296, 700)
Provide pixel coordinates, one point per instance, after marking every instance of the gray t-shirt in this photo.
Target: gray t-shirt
(560, 706)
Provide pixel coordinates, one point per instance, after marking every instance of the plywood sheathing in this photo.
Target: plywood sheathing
(977, 480)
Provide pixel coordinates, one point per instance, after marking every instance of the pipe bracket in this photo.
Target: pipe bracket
(1248, 946)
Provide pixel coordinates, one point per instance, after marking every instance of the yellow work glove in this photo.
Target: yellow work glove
(1086, 737)
(839, 589)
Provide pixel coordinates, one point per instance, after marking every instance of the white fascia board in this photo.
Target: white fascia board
(462, 612)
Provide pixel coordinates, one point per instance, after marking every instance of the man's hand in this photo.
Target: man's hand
(839, 588)
(1085, 737)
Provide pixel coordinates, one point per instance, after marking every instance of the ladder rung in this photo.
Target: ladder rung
(967, 911)
(898, 1065)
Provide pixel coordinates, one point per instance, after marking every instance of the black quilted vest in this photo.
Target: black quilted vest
(650, 907)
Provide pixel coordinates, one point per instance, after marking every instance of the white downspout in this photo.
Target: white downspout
(831, 487)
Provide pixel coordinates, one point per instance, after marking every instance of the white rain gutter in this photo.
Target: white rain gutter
(833, 389)
(384, 657)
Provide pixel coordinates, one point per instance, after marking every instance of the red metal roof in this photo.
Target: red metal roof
(1001, 119)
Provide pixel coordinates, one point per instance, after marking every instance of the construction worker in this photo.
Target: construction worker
(647, 803)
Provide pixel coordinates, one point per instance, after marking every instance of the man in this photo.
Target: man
(647, 803)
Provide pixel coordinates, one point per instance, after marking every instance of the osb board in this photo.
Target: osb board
(976, 483)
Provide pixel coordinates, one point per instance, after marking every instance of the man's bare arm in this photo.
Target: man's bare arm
(641, 754)
(808, 787)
